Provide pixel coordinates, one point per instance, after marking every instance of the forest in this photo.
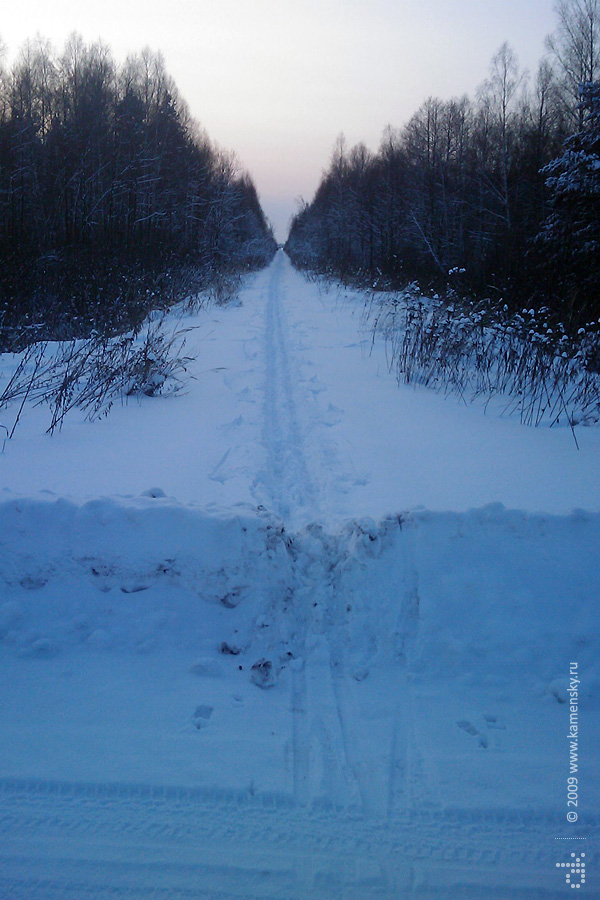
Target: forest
(494, 198)
(112, 198)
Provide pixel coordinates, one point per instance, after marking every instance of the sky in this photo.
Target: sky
(278, 81)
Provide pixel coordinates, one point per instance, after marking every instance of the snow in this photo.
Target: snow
(286, 380)
(299, 633)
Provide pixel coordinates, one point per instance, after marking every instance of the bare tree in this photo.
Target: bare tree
(499, 94)
(575, 49)
(105, 183)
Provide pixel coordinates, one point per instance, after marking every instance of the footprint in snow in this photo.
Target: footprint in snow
(205, 667)
(333, 416)
(315, 386)
(42, 648)
(559, 689)
(156, 493)
(235, 423)
(223, 459)
(134, 587)
(246, 395)
(34, 582)
(202, 714)
(474, 732)
(262, 673)
(229, 649)
(493, 721)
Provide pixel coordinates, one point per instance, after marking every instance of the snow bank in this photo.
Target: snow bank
(109, 570)
(471, 595)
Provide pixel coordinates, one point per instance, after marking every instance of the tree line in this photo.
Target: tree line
(496, 196)
(110, 194)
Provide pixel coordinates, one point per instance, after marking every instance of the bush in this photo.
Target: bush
(91, 374)
(478, 352)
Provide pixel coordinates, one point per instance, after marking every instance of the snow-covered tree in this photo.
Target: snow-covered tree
(570, 237)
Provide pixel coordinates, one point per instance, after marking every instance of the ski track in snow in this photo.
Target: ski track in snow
(304, 469)
(370, 634)
(289, 484)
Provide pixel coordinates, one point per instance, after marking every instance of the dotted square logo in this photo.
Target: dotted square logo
(574, 870)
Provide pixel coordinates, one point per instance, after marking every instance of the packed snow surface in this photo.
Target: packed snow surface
(297, 633)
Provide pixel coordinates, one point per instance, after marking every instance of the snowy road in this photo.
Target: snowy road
(270, 680)
(291, 407)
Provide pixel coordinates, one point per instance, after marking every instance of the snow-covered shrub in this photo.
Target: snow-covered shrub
(479, 352)
(92, 374)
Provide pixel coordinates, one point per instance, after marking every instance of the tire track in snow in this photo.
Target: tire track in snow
(60, 840)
